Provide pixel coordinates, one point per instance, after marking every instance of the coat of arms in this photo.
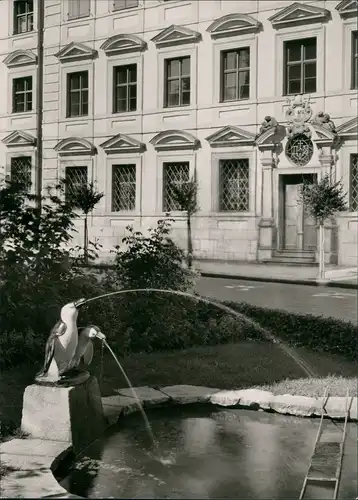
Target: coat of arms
(298, 115)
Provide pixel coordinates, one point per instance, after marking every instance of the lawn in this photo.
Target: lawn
(231, 366)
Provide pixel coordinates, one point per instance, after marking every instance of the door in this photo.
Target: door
(299, 228)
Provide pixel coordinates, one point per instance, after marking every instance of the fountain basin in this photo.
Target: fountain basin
(41, 457)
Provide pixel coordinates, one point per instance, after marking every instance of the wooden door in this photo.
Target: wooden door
(300, 231)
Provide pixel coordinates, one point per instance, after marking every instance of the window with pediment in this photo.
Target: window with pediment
(300, 58)
(22, 94)
(125, 88)
(77, 94)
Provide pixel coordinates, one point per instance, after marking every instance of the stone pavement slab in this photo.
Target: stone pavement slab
(30, 484)
(186, 394)
(146, 395)
(32, 447)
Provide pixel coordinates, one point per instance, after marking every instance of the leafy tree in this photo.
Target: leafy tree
(85, 198)
(186, 197)
(323, 200)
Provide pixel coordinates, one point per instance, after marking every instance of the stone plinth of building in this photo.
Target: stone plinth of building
(69, 414)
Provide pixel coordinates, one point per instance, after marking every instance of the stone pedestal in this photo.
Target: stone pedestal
(266, 227)
(69, 414)
(330, 242)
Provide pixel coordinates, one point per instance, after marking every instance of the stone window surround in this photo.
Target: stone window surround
(348, 25)
(349, 147)
(120, 159)
(190, 50)
(298, 33)
(76, 161)
(22, 72)
(246, 152)
(22, 151)
(74, 67)
(126, 9)
(124, 60)
(171, 157)
(237, 42)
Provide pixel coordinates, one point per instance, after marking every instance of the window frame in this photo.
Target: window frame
(29, 14)
(236, 71)
(79, 90)
(128, 84)
(220, 191)
(20, 157)
(302, 63)
(180, 77)
(350, 183)
(164, 185)
(72, 17)
(354, 60)
(22, 151)
(118, 165)
(67, 168)
(25, 93)
(120, 9)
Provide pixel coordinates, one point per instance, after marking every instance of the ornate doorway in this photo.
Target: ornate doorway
(297, 228)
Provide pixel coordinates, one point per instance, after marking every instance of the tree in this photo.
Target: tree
(185, 196)
(323, 199)
(85, 198)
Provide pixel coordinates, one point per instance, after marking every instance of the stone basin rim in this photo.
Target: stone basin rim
(122, 404)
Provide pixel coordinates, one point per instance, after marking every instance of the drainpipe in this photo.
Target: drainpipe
(39, 99)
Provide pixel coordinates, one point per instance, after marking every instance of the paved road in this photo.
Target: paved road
(327, 301)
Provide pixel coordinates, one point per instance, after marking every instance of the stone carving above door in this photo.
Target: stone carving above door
(298, 114)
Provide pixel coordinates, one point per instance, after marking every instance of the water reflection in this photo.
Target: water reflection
(227, 454)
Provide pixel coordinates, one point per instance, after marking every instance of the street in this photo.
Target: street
(326, 301)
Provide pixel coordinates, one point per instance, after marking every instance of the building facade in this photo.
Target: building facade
(254, 97)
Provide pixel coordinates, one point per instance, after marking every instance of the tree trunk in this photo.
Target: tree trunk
(321, 272)
(190, 243)
(85, 241)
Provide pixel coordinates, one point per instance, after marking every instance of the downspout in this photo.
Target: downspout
(39, 100)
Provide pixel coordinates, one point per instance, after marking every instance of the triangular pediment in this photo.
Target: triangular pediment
(174, 139)
(174, 35)
(121, 143)
(20, 58)
(233, 24)
(347, 8)
(298, 13)
(19, 138)
(119, 44)
(230, 136)
(75, 51)
(348, 129)
(73, 146)
(322, 133)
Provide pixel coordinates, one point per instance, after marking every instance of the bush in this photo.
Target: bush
(152, 261)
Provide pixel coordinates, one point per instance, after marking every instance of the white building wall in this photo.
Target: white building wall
(216, 235)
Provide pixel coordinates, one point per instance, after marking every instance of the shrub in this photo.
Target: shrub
(152, 261)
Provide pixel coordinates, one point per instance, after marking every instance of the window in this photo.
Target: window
(124, 4)
(300, 66)
(177, 82)
(125, 88)
(75, 177)
(234, 185)
(354, 60)
(20, 171)
(353, 184)
(174, 174)
(23, 16)
(235, 74)
(78, 8)
(123, 187)
(77, 94)
(22, 94)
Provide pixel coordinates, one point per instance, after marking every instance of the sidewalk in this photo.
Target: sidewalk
(340, 277)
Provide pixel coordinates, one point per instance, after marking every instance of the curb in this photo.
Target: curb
(349, 286)
(29, 452)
